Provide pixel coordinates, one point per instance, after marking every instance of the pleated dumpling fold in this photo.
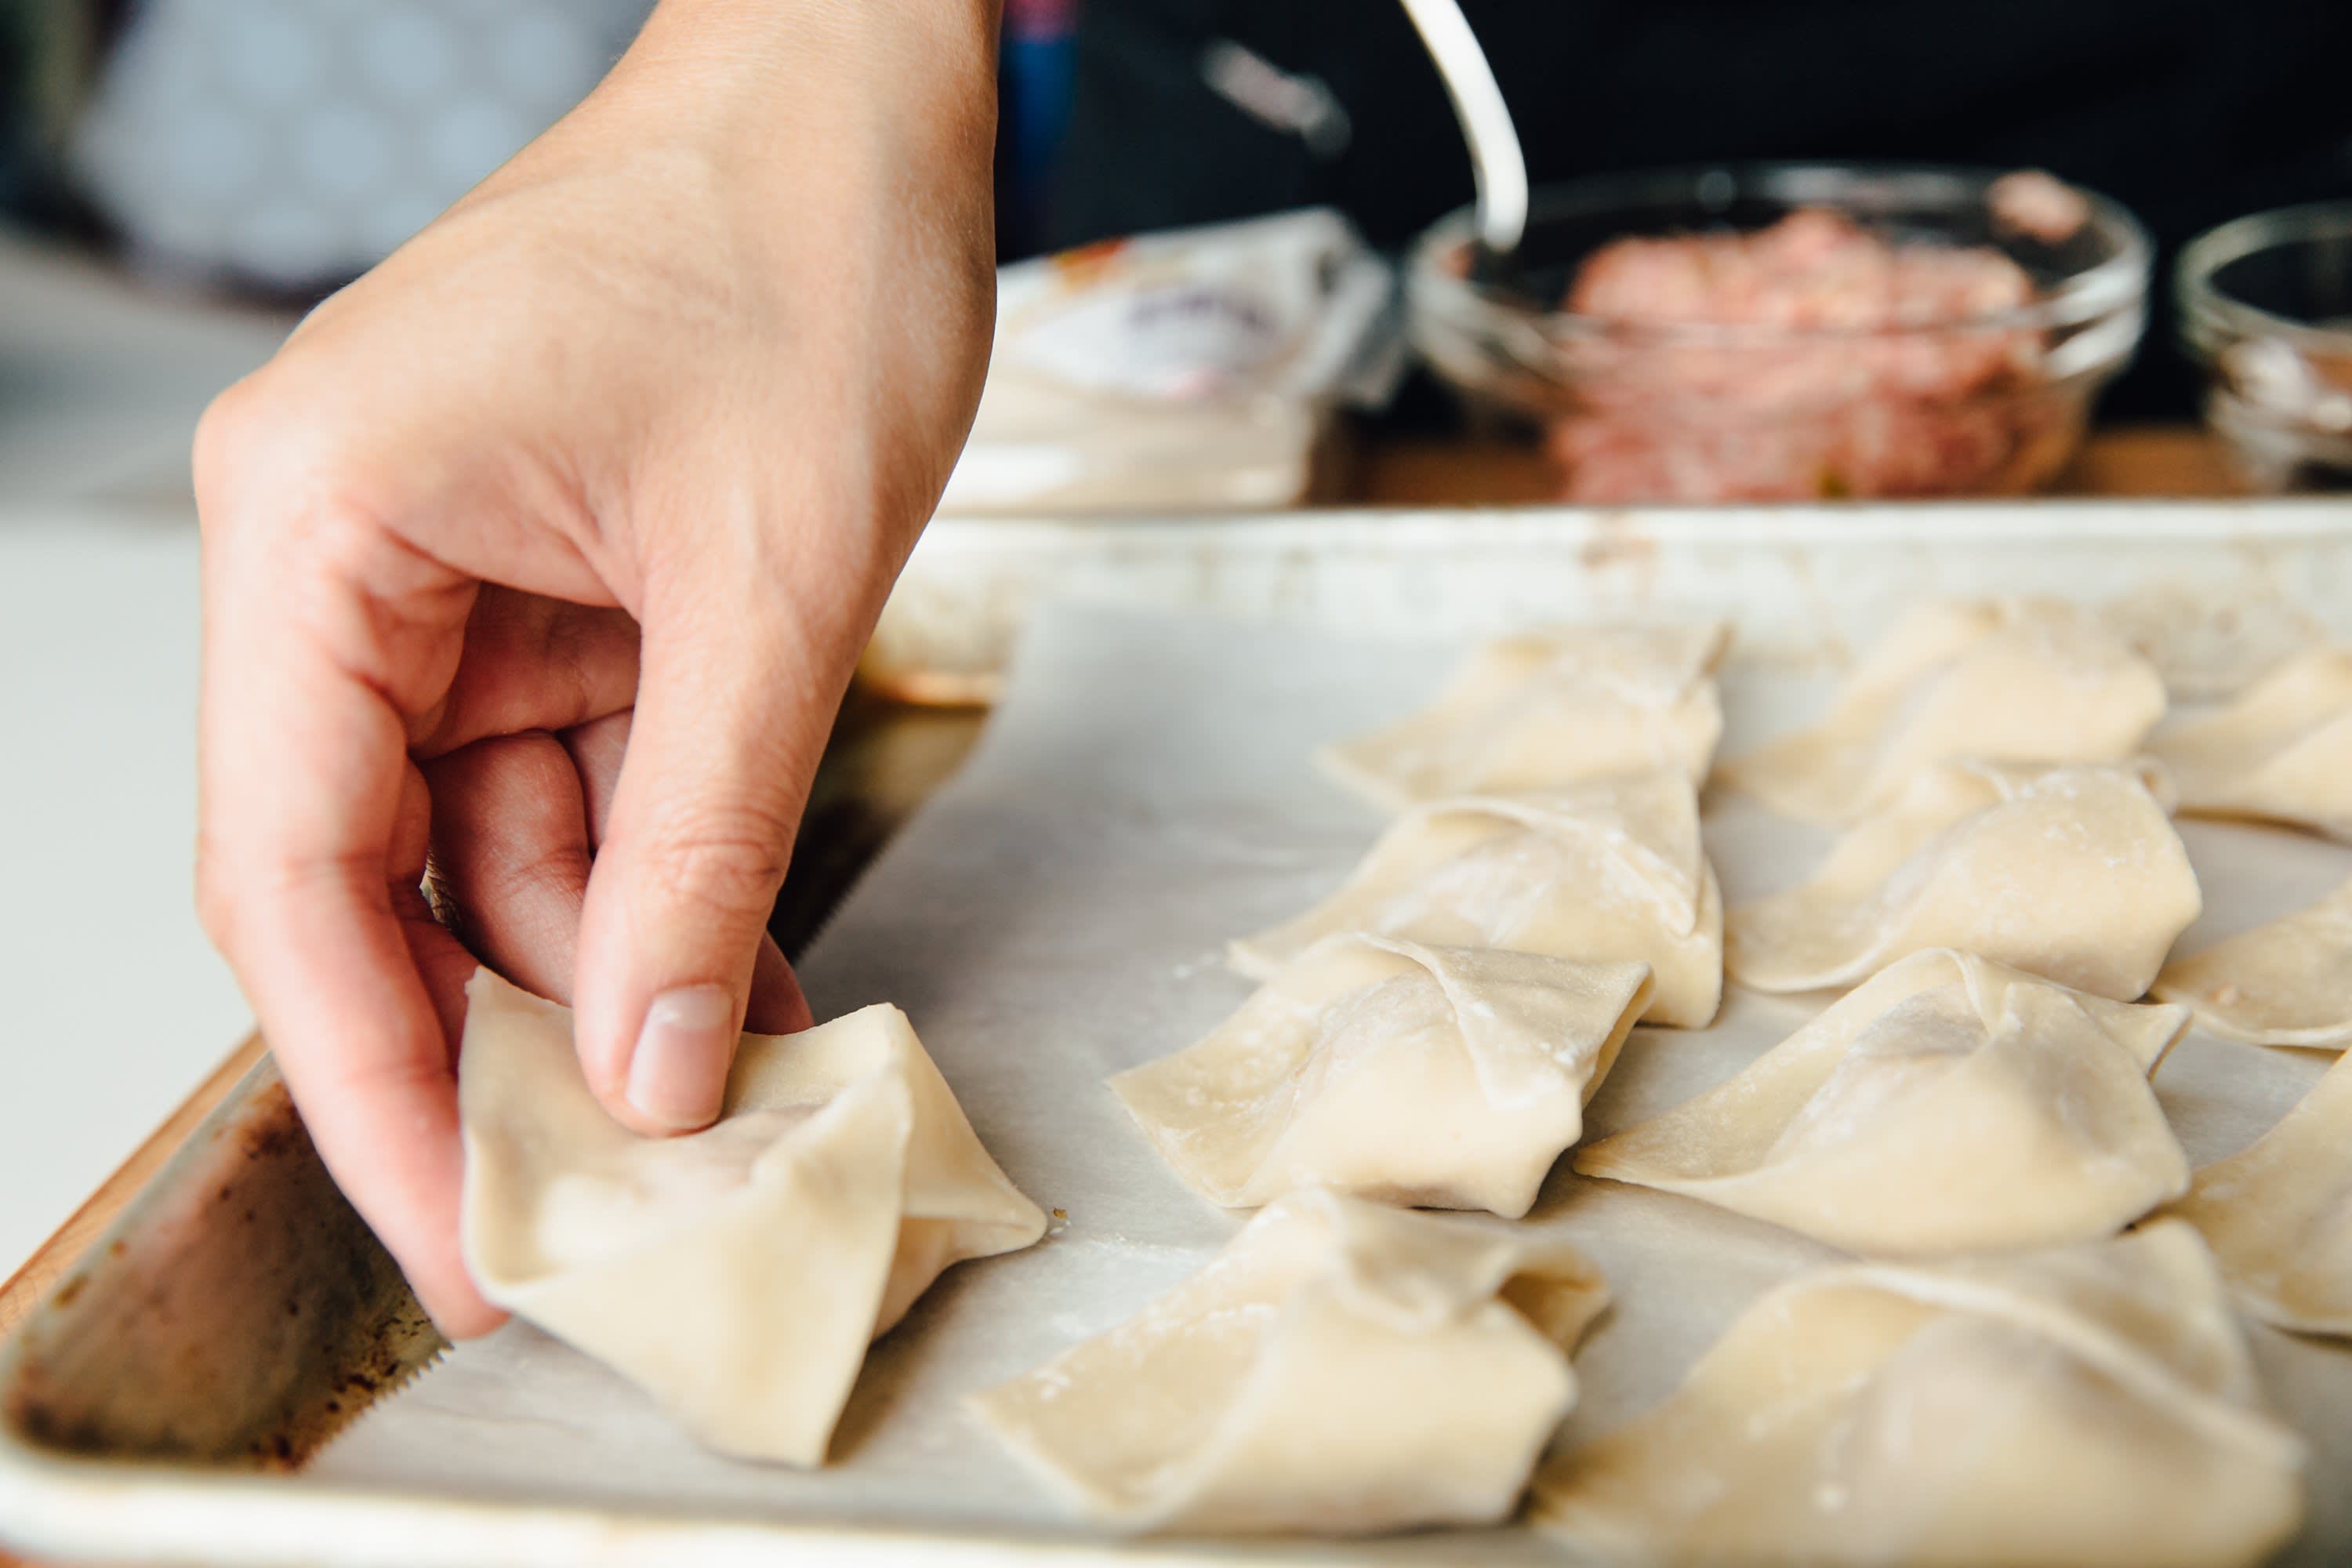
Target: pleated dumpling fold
(2285, 983)
(2017, 680)
(2278, 1213)
(1446, 1077)
(1539, 710)
(736, 1274)
(2281, 752)
(2073, 873)
(1340, 1367)
(1607, 871)
(2092, 1404)
(1947, 1105)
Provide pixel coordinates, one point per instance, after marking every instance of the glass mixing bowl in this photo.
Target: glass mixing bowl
(1824, 402)
(2266, 307)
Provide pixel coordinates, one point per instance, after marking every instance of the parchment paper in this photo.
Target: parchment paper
(1057, 914)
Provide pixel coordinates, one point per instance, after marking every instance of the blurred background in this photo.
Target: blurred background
(181, 177)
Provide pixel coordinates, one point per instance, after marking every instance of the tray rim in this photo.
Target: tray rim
(1845, 522)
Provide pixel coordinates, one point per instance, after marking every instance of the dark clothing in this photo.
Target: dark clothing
(2188, 112)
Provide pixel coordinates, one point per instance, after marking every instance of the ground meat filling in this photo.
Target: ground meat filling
(1890, 398)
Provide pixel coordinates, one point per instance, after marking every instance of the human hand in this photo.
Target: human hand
(550, 544)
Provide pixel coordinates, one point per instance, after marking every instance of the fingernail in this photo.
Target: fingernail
(678, 1078)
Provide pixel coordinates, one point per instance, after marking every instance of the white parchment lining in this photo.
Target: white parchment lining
(1055, 915)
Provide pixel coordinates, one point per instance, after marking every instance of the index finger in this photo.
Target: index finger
(318, 642)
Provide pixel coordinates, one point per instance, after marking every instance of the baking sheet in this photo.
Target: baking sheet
(1056, 914)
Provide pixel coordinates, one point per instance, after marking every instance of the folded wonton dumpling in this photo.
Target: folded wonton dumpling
(1340, 1368)
(736, 1274)
(2288, 983)
(1450, 1077)
(2073, 873)
(2207, 644)
(1947, 1105)
(2091, 1404)
(2032, 680)
(1607, 871)
(1540, 710)
(2282, 751)
(2278, 1213)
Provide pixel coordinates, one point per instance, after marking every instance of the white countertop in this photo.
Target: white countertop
(117, 1007)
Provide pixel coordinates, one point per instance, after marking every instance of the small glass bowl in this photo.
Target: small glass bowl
(2266, 309)
(1990, 403)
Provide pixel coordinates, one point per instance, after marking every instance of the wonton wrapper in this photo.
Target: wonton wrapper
(1948, 1105)
(1339, 1368)
(1542, 709)
(2018, 681)
(736, 1274)
(1607, 872)
(2278, 1213)
(2091, 1404)
(2207, 643)
(2072, 873)
(2282, 751)
(2288, 983)
(1448, 1078)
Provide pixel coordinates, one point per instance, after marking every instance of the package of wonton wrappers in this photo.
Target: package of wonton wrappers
(1926, 1235)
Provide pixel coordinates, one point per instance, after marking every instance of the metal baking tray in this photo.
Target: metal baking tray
(238, 1315)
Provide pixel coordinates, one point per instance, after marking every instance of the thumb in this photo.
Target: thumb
(731, 718)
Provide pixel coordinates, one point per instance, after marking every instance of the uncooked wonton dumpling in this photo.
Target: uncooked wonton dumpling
(736, 1274)
(2072, 873)
(1540, 710)
(2282, 751)
(2207, 640)
(2092, 1404)
(2029, 681)
(1450, 1077)
(1948, 1105)
(2278, 1213)
(1607, 872)
(2288, 983)
(1341, 1368)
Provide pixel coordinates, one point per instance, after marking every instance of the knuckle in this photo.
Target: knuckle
(215, 908)
(216, 900)
(344, 532)
(561, 868)
(728, 861)
(222, 440)
(227, 417)
(319, 475)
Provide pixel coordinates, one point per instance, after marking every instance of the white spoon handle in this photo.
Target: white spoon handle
(1496, 162)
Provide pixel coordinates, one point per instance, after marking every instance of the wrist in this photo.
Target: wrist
(758, 78)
